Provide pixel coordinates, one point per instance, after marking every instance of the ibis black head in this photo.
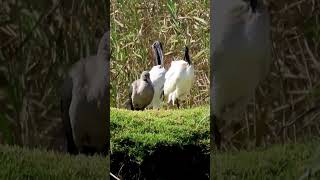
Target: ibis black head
(157, 52)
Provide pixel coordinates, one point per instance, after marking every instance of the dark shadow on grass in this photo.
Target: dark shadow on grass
(124, 166)
(164, 163)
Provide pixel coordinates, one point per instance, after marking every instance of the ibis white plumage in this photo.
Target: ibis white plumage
(179, 79)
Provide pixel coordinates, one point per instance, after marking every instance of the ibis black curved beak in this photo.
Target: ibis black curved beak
(158, 53)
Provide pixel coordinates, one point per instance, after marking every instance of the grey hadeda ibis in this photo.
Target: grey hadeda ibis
(141, 92)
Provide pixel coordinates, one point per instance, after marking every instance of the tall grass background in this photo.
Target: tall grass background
(136, 24)
(292, 87)
(40, 40)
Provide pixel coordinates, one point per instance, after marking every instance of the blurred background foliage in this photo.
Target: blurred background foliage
(136, 24)
(293, 85)
(291, 94)
(39, 42)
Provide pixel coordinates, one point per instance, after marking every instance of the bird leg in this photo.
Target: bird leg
(162, 96)
(178, 105)
(129, 104)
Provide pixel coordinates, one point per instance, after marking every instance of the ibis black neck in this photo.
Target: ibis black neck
(186, 55)
(157, 48)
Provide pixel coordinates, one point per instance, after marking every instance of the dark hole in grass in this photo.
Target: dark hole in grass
(166, 162)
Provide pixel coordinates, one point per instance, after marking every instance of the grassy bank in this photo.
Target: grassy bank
(285, 162)
(166, 140)
(20, 163)
(139, 133)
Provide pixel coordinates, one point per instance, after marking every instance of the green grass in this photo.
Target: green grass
(138, 133)
(20, 163)
(282, 162)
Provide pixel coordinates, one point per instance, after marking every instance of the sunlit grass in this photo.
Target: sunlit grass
(285, 162)
(138, 133)
(22, 163)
